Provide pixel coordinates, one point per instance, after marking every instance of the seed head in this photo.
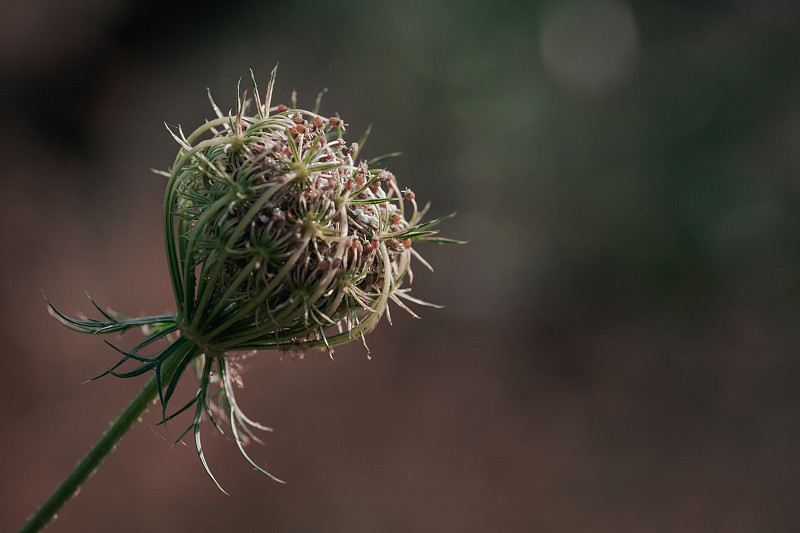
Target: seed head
(278, 237)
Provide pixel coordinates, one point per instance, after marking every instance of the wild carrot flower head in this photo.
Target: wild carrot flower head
(282, 234)
(278, 236)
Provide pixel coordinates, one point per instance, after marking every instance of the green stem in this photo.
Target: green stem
(122, 424)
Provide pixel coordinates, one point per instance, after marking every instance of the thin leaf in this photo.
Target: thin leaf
(160, 172)
(362, 141)
(176, 376)
(268, 96)
(403, 293)
(396, 300)
(319, 100)
(214, 105)
(260, 113)
(234, 427)
(166, 419)
(373, 201)
(198, 416)
(382, 158)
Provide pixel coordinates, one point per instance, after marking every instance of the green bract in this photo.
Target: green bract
(278, 237)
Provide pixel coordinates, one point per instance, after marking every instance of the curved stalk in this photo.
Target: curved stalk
(88, 464)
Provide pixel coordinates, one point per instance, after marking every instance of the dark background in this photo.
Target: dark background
(620, 349)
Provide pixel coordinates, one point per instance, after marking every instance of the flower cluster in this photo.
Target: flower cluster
(281, 235)
(278, 236)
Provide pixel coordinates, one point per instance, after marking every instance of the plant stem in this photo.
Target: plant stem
(107, 442)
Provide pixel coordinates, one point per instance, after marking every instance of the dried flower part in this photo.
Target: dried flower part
(282, 235)
(278, 237)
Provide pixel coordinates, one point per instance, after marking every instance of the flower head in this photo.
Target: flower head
(281, 233)
(278, 236)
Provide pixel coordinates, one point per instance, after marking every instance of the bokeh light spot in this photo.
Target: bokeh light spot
(590, 45)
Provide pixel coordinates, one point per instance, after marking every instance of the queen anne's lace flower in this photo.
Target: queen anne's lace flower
(278, 237)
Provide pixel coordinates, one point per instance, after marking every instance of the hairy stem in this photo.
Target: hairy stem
(107, 442)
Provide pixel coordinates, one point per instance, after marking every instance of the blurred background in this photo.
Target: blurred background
(620, 349)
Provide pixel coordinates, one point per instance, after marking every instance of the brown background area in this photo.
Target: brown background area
(620, 348)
